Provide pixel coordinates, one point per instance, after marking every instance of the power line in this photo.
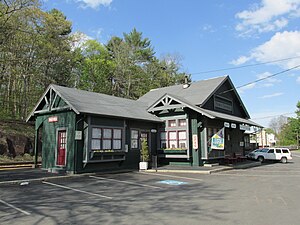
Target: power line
(264, 78)
(240, 67)
(266, 117)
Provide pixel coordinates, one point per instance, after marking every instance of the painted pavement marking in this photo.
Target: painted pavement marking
(125, 182)
(14, 207)
(172, 182)
(77, 190)
(173, 176)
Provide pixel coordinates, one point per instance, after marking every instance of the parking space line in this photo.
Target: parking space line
(14, 207)
(125, 182)
(173, 176)
(77, 190)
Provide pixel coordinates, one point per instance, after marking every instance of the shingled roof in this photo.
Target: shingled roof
(100, 104)
(197, 93)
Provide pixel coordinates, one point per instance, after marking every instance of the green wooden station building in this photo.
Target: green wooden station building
(79, 131)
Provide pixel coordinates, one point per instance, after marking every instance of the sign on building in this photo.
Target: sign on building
(195, 141)
(217, 140)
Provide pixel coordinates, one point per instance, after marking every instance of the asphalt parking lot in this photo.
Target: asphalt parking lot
(268, 194)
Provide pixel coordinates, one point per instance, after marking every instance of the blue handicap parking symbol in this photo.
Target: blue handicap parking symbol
(172, 182)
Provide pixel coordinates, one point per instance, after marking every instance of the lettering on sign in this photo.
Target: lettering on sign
(226, 124)
(195, 141)
(233, 125)
(244, 127)
(52, 119)
(222, 103)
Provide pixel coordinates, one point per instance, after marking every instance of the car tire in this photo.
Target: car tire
(260, 158)
(283, 160)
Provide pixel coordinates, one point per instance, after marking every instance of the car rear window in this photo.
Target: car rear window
(285, 151)
(278, 151)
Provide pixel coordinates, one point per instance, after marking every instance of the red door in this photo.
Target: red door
(61, 148)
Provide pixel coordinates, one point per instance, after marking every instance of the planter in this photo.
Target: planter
(143, 165)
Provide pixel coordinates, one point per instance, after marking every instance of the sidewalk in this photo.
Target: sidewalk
(203, 169)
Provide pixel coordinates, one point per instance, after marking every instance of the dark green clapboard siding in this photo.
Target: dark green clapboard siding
(49, 139)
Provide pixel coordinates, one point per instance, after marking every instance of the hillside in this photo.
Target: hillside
(16, 138)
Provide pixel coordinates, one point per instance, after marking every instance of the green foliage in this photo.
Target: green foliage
(290, 132)
(37, 49)
(34, 52)
(269, 131)
(96, 68)
(144, 151)
(136, 69)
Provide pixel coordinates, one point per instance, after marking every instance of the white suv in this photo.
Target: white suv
(279, 154)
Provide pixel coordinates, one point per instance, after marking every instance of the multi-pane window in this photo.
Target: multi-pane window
(172, 123)
(174, 135)
(182, 139)
(172, 139)
(134, 139)
(106, 139)
(117, 139)
(96, 138)
(182, 122)
(163, 139)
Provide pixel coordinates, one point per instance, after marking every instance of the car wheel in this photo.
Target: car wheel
(283, 160)
(260, 158)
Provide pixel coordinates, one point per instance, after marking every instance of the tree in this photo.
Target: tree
(36, 54)
(269, 131)
(289, 133)
(96, 68)
(137, 70)
(277, 123)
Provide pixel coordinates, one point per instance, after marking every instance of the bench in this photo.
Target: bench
(234, 158)
(240, 157)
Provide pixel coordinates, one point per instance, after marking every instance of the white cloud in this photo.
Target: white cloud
(94, 4)
(283, 45)
(240, 60)
(247, 87)
(269, 15)
(268, 80)
(272, 95)
(298, 80)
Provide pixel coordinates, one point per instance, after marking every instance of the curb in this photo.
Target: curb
(207, 172)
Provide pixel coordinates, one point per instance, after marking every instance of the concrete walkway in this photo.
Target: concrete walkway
(203, 169)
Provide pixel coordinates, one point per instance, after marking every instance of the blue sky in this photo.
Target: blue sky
(210, 35)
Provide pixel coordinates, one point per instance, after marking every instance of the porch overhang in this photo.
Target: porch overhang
(167, 102)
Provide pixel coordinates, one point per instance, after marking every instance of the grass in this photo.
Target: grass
(17, 128)
(19, 158)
